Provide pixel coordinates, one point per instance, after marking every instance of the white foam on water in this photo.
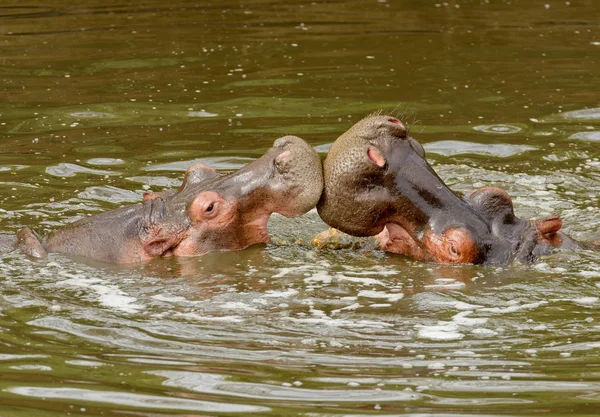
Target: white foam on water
(347, 308)
(514, 308)
(458, 305)
(361, 281)
(281, 294)
(237, 306)
(453, 285)
(114, 298)
(81, 362)
(199, 317)
(442, 331)
(108, 295)
(462, 319)
(371, 324)
(483, 332)
(380, 294)
(43, 368)
(582, 301)
(171, 298)
(320, 277)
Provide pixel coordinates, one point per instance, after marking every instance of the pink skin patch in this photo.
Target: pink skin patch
(283, 155)
(396, 122)
(376, 157)
(394, 238)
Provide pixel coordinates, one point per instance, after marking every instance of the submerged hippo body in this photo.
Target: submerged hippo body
(208, 212)
(378, 183)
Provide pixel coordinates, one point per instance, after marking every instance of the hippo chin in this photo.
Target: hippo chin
(208, 212)
(378, 183)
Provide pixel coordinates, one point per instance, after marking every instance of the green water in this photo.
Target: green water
(101, 102)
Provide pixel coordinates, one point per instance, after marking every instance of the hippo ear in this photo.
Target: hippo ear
(547, 225)
(376, 157)
(493, 203)
(198, 173)
(193, 175)
(149, 195)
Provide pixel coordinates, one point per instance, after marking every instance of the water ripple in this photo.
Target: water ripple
(153, 402)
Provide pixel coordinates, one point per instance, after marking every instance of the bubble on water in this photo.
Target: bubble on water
(498, 129)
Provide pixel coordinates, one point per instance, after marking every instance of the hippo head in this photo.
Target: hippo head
(215, 212)
(377, 182)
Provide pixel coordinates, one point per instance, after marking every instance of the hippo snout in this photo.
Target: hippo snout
(301, 180)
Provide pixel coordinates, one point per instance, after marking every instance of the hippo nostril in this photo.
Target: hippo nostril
(397, 128)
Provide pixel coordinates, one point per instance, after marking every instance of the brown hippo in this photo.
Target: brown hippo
(377, 182)
(208, 212)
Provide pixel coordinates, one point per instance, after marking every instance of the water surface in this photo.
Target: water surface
(101, 103)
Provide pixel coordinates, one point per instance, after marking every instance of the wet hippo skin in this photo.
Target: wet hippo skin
(378, 183)
(208, 212)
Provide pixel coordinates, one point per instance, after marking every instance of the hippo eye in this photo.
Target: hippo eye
(210, 207)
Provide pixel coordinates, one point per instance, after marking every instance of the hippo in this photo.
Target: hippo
(378, 183)
(208, 212)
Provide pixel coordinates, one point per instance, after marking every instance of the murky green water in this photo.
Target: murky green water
(102, 102)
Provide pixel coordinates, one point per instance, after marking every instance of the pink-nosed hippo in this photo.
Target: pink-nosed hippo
(208, 212)
(378, 183)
